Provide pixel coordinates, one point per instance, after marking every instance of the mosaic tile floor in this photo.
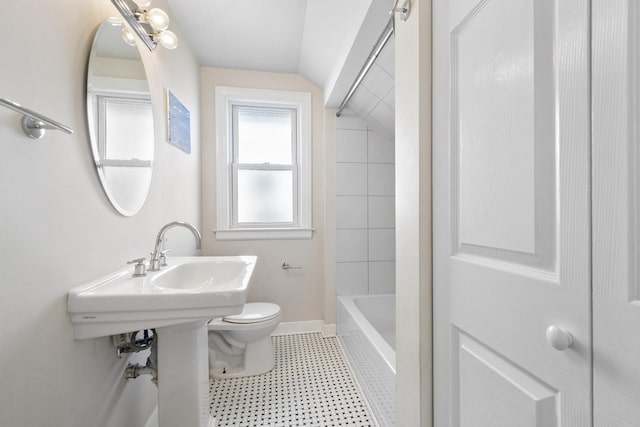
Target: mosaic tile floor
(311, 386)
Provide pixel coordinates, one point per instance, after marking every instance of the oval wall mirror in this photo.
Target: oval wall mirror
(120, 118)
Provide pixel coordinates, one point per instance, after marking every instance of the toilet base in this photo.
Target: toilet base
(221, 374)
(258, 358)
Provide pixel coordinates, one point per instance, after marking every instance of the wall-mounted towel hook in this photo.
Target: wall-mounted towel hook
(286, 266)
(34, 124)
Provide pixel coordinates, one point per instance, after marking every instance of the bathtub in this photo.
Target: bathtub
(366, 331)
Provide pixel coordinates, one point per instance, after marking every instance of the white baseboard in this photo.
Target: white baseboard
(306, 327)
(329, 330)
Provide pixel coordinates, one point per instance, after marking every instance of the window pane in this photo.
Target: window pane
(265, 196)
(264, 135)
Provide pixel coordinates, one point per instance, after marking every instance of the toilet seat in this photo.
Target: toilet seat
(254, 313)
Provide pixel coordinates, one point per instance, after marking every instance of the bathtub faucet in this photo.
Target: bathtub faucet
(158, 253)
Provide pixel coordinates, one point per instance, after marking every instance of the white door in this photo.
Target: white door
(511, 212)
(616, 213)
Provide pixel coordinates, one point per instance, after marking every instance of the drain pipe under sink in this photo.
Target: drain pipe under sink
(135, 370)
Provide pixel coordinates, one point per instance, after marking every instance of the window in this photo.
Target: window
(123, 119)
(263, 164)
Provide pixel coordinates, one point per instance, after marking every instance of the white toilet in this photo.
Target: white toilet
(240, 345)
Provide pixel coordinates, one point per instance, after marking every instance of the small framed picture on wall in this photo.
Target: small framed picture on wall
(178, 123)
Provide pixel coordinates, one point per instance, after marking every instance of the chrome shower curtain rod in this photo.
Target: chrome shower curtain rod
(380, 44)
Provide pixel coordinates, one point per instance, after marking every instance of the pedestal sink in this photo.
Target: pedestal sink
(177, 301)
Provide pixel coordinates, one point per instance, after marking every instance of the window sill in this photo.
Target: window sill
(264, 233)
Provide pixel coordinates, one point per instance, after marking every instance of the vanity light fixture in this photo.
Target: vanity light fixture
(148, 24)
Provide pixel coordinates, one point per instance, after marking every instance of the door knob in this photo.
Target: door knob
(559, 338)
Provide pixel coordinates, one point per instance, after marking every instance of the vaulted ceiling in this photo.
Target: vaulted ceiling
(325, 41)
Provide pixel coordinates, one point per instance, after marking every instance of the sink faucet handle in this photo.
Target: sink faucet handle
(163, 257)
(140, 269)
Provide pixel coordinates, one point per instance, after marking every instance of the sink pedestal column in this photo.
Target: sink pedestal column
(183, 375)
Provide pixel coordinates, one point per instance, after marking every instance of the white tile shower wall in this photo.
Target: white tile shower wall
(363, 101)
(352, 278)
(381, 179)
(390, 100)
(383, 114)
(351, 146)
(351, 179)
(382, 277)
(351, 245)
(351, 212)
(365, 209)
(387, 60)
(380, 148)
(378, 81)
(381, 211)
(382, 244)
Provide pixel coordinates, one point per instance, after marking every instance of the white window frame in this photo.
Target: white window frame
(225, 99)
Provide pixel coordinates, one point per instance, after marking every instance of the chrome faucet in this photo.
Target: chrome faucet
(154, 263)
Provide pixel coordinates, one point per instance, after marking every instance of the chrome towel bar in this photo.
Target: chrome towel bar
(34, 124)
(286, 266)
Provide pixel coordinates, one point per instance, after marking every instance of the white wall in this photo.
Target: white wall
(365, 208)
(57, 227)
(300, 293)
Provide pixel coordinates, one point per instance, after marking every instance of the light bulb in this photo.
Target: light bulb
(167, 39)
(128, 36)
(157, 18)
(143, 3)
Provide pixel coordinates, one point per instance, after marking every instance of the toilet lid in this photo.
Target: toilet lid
(255, 312)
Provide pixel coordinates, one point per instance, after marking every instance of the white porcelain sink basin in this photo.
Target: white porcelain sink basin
(199, 275)
(190, 288)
